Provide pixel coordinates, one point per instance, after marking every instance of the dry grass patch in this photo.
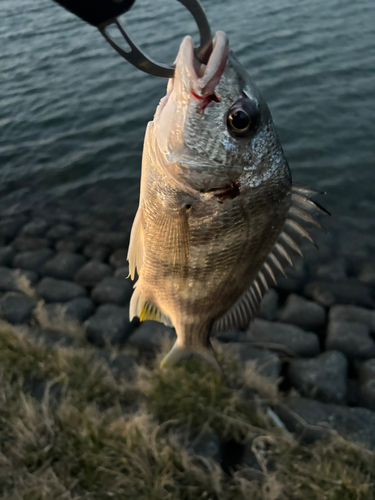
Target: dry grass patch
(83, 446)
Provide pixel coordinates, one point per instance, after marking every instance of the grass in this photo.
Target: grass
(86, 444)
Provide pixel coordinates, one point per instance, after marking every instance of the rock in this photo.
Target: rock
(367, 274)
(108, 325)
(355, 424)
(112, 291)
(24, 244)
(353, 314)
(112, 239)
(303, 313)
(323, 377)
(40, 389)
(122, 272)
(77, 309)
(10, 226)
(352, 339)
(11, 279)
(70, 246)
(53, 290)
(268, 363)
(86, 235)
(93, 273)
(6, 255)
(366, 392)
(119, 364)
(149, 336)
(36, 227)
(269, 305)
(206, 443)
(119, 258)
(295, 279)
(287, 339)
(347, 292)
(60, 231)
(32, 260)
(333, 271)
(16, 307)
(232, 336)
(96, 252)
(64, 265)
(248, 457)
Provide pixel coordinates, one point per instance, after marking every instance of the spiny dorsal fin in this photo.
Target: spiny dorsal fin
(243, 311)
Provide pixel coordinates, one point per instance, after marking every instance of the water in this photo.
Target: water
(73, 113)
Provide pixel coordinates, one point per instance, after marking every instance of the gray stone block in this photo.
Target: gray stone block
(60, 231)
(150, 335)
(53, 290)
(323, 377)
(25, 244)
(112, 239)
(120, 364)
(268, 363)
(96, 252)
(69, 245)
(32, 260)
(64, 265)
(355, 424)
(288, 339)
(10, 279)
(6, 255)
(77, 309)
(113, 291)
(92, 273)
(367, 274)
(36, 227)
(108, 325)
(122, 272)
(16, 307)
(352, 339)
(303, 313)
(366, 392)
(346, 292)
(353, 314)
(10, 226)
(269, 306)
(119, 258)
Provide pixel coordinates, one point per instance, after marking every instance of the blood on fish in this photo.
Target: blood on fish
(205, 99)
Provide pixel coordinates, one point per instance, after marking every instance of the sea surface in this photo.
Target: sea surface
(73, 113)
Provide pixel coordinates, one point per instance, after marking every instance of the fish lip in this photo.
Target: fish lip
(202, 79)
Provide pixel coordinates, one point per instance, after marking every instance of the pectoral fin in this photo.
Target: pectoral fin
(175, 230)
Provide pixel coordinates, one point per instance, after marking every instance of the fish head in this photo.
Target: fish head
(213, 128)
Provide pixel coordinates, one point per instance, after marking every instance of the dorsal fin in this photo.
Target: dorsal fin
(279, 259)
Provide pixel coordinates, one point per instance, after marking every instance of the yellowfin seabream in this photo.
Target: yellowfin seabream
(218, 214)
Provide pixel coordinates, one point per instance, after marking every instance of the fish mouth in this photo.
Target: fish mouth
(200, 78)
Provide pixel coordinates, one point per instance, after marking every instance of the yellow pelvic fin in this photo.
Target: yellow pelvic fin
(149, 311)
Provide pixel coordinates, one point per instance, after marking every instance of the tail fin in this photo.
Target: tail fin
(178, 353)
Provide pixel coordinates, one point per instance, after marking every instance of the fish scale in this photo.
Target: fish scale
(216, 211)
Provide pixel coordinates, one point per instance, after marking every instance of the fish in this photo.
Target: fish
(219, 218)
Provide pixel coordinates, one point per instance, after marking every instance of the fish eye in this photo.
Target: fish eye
(243, 118)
